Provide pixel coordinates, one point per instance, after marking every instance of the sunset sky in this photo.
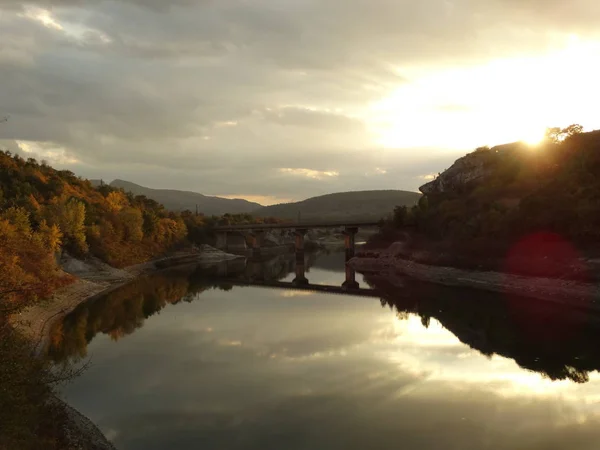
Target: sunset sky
(277, 100)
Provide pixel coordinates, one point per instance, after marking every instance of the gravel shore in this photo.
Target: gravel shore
(572, 293)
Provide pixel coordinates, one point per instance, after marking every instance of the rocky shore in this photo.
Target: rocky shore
(80, 432)
(390, 263)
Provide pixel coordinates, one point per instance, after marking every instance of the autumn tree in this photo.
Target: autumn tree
(133, 223)
(69, 216)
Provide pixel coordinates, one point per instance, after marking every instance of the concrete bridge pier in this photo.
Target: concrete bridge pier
(300, 279)
(350, 241)
(256, 271)
(256, 241)
(299, 233)
(350, 282)
(221, 240)
(222, 269)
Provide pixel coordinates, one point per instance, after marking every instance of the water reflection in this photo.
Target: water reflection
(124, 310)
(556, 341)
(238, 364)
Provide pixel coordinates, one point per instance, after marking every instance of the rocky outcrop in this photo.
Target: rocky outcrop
(471, 169)
(80, 432)
(389, 263)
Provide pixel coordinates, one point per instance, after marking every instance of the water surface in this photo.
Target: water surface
(189, 360)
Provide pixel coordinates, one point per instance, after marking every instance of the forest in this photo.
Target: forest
(44, 211)
(551, 188)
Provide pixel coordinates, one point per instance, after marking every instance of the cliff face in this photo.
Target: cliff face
(473, 168)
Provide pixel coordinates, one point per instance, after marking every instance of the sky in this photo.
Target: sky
(281, 100)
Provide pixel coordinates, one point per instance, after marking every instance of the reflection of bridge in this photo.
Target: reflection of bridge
(259, 272)
(302, 287)
(255, 233)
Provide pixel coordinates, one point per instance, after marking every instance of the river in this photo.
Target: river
(190, 359)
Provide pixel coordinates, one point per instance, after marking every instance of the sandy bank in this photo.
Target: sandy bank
(573, 293)
(96, 278)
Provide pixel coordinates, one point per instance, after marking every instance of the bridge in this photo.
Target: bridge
(298, 225)
(256, 233)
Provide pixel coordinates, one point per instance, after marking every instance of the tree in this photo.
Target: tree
(70, 218)
(133, 222)
(51, 236)
(556, 134)
(117, 200)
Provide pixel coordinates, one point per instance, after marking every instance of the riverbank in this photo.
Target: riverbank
(92, 278)
(390, 262)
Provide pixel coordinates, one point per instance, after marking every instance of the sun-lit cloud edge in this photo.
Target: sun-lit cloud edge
(310, 173)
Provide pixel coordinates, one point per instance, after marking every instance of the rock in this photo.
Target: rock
(473, 168)
(211, 254)
(91, 268)
(81, 433)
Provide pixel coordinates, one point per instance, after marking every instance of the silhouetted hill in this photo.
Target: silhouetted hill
(357, 205)
(181, 200)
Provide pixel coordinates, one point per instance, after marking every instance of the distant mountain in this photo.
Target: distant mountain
(181, 200)
(359, 205)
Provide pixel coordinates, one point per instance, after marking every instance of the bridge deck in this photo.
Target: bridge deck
(301, 225)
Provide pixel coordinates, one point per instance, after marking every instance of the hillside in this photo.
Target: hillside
(174, 200)
(44, 211)
(535, 209)
(357, 205)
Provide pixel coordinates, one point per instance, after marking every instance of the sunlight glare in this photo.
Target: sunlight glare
(499, 102)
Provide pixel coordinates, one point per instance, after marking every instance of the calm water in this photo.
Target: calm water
(186, 360)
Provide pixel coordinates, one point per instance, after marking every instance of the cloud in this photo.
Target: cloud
(312, 118)
(217, 96)
(309, 173)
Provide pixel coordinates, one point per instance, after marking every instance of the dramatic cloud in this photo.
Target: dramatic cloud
(220, 96)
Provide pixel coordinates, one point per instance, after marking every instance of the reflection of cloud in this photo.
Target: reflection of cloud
(229, 343)
(290, 294)
(345, 365)
(111, 434)
(439, 356)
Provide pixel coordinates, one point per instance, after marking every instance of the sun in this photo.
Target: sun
(496, 102)
(534, 137)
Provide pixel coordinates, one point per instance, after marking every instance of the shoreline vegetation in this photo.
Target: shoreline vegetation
(515, 218)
